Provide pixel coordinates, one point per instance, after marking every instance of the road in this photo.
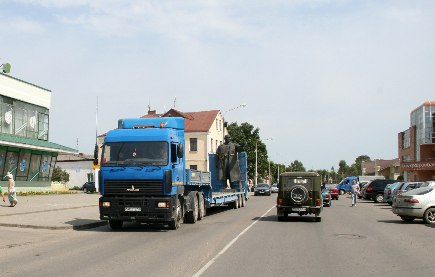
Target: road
(367, 240)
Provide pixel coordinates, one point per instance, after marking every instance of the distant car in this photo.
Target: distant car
(388, 192)
(274, 188)
(333, 191)
(327, 198)
(262, 189)
(88, 187)
(416, 203)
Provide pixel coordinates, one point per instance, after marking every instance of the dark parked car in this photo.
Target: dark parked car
(262, 189)
(374, 190)
(88, 187)
(300, 193)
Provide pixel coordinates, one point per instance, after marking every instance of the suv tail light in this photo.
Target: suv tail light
(318, 202)
(369, 189)
(411, 200)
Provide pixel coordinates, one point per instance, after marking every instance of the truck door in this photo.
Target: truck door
(177, 158)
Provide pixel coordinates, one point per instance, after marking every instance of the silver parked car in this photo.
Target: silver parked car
(404, 187)
(416, 203)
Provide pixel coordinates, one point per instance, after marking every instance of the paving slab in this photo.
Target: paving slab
(57, 211)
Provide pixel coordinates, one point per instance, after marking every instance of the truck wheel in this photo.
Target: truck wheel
(174, 224)
(201, 206)
(115, 224)
(192, 216)
(341, 192)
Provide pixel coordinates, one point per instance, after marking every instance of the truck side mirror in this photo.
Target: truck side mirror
(96, 154)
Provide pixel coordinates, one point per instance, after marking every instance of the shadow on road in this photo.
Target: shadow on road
(296, 218)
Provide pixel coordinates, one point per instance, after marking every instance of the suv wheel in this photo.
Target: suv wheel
(379, 198)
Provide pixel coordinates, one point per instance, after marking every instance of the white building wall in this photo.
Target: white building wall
(25, 92)
(78, 172)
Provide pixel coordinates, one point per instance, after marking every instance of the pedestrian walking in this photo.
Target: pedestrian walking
(354, 189)
(12, 196)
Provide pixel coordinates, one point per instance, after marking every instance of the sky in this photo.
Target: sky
(323, 80)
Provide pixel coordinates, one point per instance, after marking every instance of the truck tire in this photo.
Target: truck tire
(192, 216)
(342, 192)
(174, 224)
(115, 224)
(201, 206)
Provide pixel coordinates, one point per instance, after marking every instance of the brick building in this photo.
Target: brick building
(417, 145)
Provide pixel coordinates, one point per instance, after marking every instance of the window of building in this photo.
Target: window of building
(44, 168)
(193, 144)
(194, 166)
(406, 141)
(20, 122)
(7, 118)
(23, 165)
(32, 128)
(211, 145)
(2, 161)
(217, 124)
(216, 145)
(35, 162)
(11, 162)
(42, 126)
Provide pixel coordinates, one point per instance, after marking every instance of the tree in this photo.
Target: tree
(296, 166)
(343, 169)
(249, 137)
(60, 175)
(358, 163)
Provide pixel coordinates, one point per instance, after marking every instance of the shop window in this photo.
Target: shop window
(11, 162)
(35, 162)
(23, 166)
(7, 118)
(194, 166)
(2, 163)
(44, 169)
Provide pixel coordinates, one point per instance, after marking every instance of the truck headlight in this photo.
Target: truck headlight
(164, 204)
(105, 204)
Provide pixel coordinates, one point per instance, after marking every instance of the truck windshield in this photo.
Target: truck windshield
(135, 153)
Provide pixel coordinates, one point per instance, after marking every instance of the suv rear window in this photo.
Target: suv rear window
(291, 182)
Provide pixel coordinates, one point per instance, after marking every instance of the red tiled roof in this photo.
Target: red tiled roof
(196, 121)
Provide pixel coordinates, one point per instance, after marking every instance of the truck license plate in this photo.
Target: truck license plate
(299, 209)
(132, 209)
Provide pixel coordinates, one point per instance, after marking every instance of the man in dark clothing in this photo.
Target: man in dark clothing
(228, 162)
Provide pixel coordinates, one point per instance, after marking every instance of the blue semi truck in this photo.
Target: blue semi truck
(143, 176)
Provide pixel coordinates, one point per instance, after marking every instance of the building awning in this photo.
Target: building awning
(34, 144)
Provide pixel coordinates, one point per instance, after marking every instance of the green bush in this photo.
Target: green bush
(60, 175)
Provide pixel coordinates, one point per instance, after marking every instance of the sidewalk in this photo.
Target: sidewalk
(64, 211)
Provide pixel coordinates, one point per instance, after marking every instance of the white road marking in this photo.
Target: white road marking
(207, 265)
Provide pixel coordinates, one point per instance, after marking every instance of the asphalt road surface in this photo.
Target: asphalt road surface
(366, 240)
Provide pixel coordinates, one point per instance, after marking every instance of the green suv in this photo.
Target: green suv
(300, 193)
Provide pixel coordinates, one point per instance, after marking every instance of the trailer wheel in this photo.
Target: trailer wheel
(201, 206)
(115, 224)
(192, 216)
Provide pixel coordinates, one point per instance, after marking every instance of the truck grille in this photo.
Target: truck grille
(133, 187)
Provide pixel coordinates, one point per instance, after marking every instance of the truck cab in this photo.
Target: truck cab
(142, 171)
